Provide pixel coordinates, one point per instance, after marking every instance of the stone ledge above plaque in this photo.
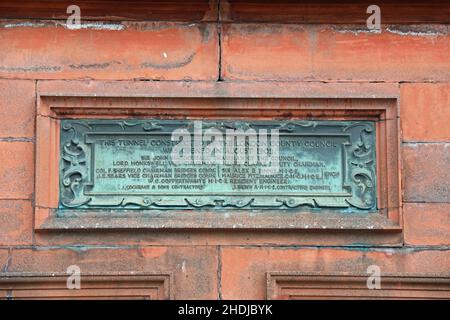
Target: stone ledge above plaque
(356, 127)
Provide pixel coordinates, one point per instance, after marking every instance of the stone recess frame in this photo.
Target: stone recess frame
(291, 285)
(214, 100)
(108, 285)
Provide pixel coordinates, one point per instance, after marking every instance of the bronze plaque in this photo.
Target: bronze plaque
(130, 164)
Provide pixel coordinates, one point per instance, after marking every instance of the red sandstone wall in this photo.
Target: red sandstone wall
(225, 264)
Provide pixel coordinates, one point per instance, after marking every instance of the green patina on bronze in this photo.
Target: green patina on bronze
(126, 164)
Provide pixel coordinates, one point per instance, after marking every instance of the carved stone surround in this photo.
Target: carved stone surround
(295, 103)
(303, 285)
(109, 285)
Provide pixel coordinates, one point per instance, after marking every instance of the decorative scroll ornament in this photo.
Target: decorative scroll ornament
(74, 171)
(362, 168)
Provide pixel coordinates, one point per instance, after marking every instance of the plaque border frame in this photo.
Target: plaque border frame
(116, 99)
(77, 180)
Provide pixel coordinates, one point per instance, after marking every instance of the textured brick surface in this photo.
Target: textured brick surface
(427, 224)
(395, 54)
(140, 50)
(252, 51)
(337, 62)
(426, 174)
(17, 104)
(244, 269)
(425, 111)
(193, 268)
(16, 170)
(306, 52)
(4, 259)
(16, 219)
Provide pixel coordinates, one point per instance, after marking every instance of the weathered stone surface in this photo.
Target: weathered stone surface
(426, 174)
(135, 50)
(16, 170)
(427, 224)
(193, 267)
(16, 222)
(321, 64)
(4, 260)
(17, 104)
(308, 52)
(425, 110)
(244, 269)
